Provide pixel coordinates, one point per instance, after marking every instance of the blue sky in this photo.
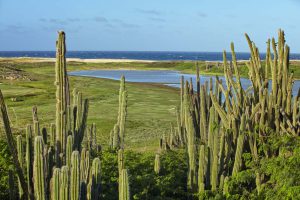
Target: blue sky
(154, 25)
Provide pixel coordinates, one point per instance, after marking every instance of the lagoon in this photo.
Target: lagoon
(166, 77)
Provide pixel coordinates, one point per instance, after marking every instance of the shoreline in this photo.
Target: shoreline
(106, 60)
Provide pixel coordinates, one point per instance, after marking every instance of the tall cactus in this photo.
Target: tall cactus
(61, 83)
(123, 119)
(84, 165)
(55, 184)
(64, 183)
(116, 137)
(201, 169)
(75, 177)
(21, 160)
(39, 175)
(239, 148)
(94, 186)
(157, 164)
(121, 161)
(69, 150)
(191, 142)
(215, 164)
(29, 160)
(124, 191)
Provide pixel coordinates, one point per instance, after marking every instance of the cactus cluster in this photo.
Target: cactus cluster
(172, 140)
(218, 120)
(58, 167)
(214, 123)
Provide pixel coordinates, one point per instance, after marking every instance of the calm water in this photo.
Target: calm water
(166, 77)
(136, 55)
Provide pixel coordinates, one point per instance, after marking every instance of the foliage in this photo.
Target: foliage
(5, 165)
(144, 182)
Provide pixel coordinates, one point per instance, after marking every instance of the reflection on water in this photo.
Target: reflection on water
(167, 77)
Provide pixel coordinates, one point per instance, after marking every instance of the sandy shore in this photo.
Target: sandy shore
(31, 59)
(99, 60)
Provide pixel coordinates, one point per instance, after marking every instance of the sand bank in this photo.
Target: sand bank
(31, 59)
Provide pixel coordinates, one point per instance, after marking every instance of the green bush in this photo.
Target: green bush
(5, 165)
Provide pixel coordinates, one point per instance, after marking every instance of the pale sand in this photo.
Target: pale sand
(99, 60)
(30, 59)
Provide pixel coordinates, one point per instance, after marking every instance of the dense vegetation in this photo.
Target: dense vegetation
(229, 143)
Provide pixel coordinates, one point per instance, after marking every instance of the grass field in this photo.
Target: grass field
(151, 107)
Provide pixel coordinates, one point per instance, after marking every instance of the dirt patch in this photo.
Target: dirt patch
(10, 73)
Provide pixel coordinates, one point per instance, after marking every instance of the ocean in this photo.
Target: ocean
(136, 55)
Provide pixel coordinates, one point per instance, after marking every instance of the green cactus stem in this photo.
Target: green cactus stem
(75, 177)
(61, 92)
(157, 164)
(39, 175)
(55, 187)
(124, 191)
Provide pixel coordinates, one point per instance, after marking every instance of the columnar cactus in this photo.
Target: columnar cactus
(29, 161)
(55, 184)
(239, 149)
(75, 176)
(69, 150)
(116, 137)
(215, 164)
(201, 169)
(121, 92)
(61, 92)
(79, 133)
(124, 192)
(191, 142)
(94, 186)
(39, 175)
(157, 164)
(21, 160)
(123, 119)
(52, 134)
(121, 161)
(84, 165)
(64, 183)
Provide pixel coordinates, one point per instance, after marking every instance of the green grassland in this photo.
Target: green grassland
(151, 107)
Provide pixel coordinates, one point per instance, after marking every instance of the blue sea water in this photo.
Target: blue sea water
(136, 55)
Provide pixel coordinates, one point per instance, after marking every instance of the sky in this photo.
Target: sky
(147, 25)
